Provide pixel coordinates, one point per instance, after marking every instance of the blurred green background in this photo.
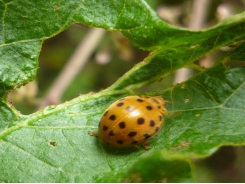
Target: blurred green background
(114, 56)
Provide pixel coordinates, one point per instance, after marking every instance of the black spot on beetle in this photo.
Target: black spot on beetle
(120, 104)
(111, 133)
(122, 125)
(105, 128)
(106, 113)
(147, 136)
(132, 134)
(112, 117)
(119, 141)
(141, 121)
(140, 100)
(156, 129)
(149, 107)
(152, 123)
(160, 118)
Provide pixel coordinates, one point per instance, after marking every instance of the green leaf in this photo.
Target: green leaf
(7, 115)
(179, 48)
(164, 167)
(55, 141)
(210, 112)
(53, 144)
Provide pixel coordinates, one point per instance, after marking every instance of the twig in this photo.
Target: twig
(198, 19)
(73, 66)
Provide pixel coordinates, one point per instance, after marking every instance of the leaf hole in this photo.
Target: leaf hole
(53, 143)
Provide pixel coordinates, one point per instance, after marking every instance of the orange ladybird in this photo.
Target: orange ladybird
(131, 121)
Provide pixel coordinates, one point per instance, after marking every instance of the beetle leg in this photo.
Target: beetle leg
(92, 133)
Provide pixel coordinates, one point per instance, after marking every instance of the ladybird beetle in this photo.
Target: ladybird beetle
(131, 121)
